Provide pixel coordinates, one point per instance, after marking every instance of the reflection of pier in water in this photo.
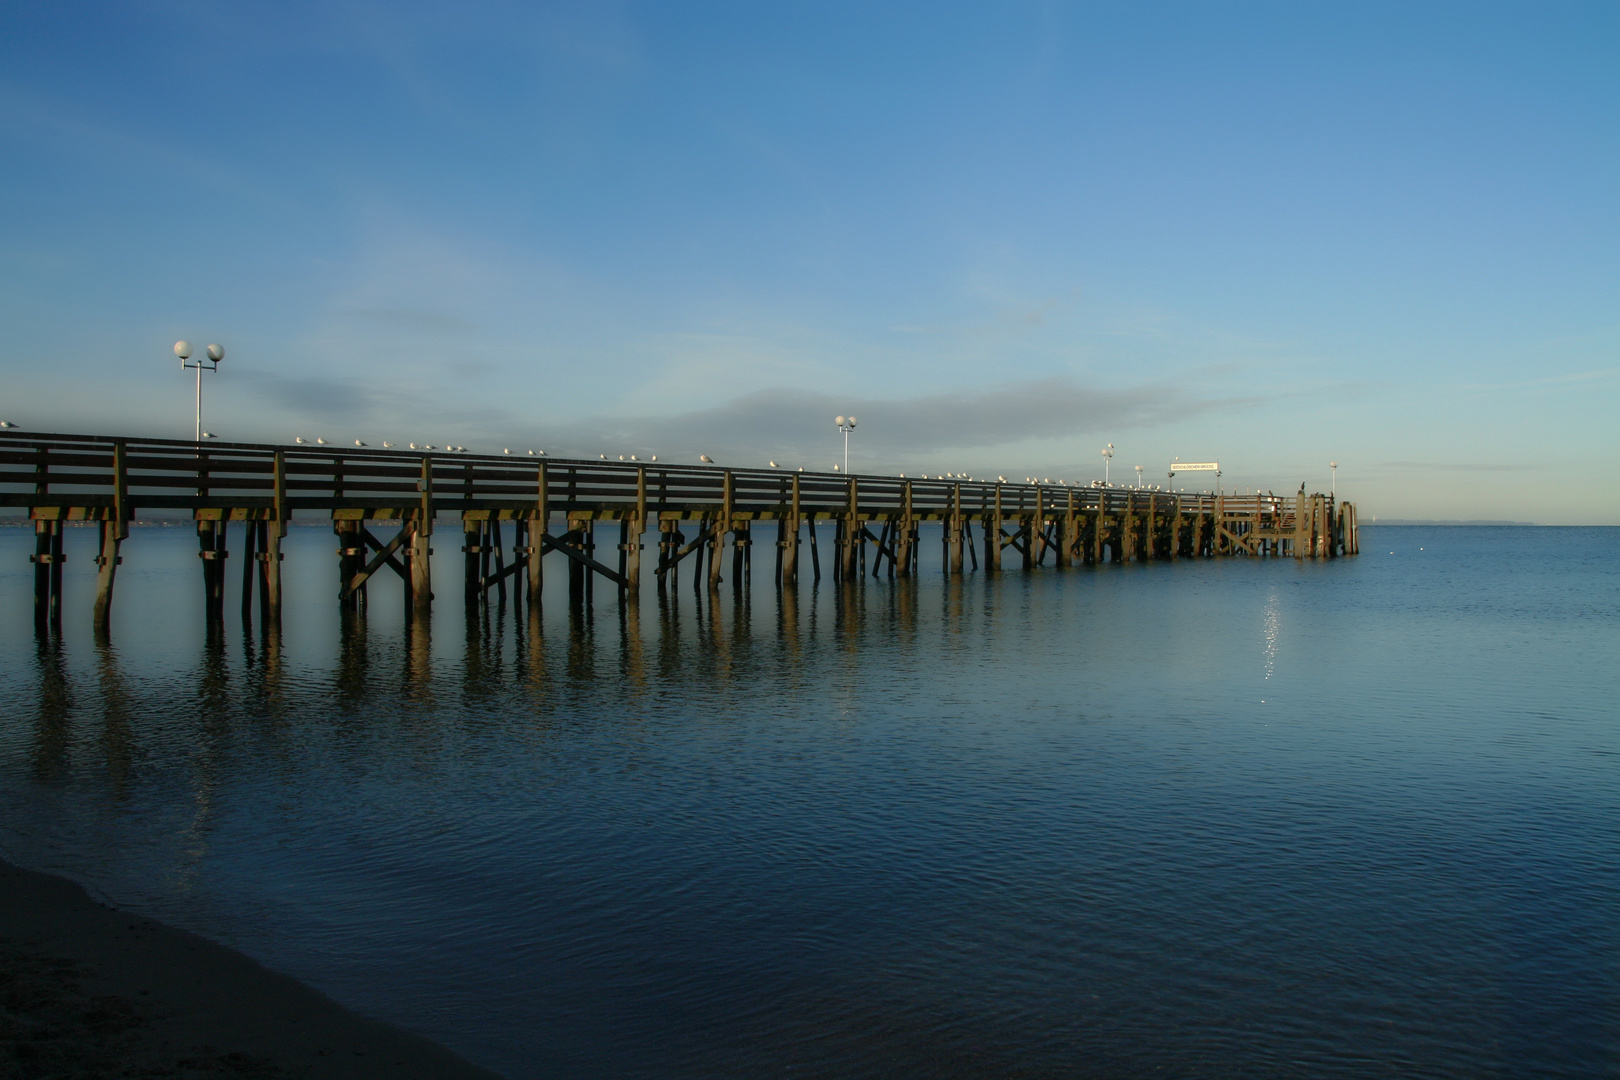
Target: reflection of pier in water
(507, 506)
(105, 715)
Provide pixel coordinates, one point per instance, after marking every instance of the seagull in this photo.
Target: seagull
(654, 457)
(301, 441)
(835, 468)
(621, 457)
(773, 465)
(319, 441)
(706, 459)
(1003, 479)
(634, 458)
(413, 445)
(602, 456)
(357, 442)
(7, 424)
(801, 468)
(209, 435)
(388, 446)
(506, 451)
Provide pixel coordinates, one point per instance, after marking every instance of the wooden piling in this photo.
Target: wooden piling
(993, 538)
(420, 552)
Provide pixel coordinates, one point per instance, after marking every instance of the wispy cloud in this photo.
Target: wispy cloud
(787, 422)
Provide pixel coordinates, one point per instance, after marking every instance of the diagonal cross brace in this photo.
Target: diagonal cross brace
(675, 559)
(385, 555)
(550, 543)
(883, 549)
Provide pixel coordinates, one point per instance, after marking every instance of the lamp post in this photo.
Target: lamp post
(1139, 476)
(214, 353)
(1108, 456)
(846, 425)
(1333, 482)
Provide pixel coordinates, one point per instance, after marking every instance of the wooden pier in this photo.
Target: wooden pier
(507, 506)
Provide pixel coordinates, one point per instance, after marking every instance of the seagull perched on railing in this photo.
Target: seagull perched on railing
(773, 465)
(300, 440)
(357, 442)
(209, 435)
(319, 441)
(506, 451)
(706, 459)
(388, 446)
(654, 457)
(7, 424)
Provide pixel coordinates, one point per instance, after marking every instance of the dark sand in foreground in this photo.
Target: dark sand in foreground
(89, 991)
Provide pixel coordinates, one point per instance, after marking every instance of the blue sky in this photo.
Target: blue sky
(1002, 235)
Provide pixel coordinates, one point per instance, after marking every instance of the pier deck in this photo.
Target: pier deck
(698, 511)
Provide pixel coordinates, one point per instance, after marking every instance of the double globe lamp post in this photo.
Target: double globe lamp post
(846, 425)
(214, 354)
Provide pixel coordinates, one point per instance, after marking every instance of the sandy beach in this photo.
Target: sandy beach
(90, 991)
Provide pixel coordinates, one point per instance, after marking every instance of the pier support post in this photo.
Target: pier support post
(789, 539)
(1066, 537)
(472, 547)
(421, 550)
(953, 532)
(351, 561)
(539, 526)
(47, 559)
(630, 544)
(992, 537)
(851, 549)
(1035, 541)
(638, 529)
(107, 570)
(906, 533)
(211, 550)
(1301, 526)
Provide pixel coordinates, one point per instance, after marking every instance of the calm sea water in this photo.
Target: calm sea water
(1228, 818)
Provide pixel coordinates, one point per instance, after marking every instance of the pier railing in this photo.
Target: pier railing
(98, 474)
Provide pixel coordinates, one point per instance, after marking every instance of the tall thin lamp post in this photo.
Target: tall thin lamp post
(214, 354)
(1333, 482)
(1139, 476)
(846, 425)
(1108, 456)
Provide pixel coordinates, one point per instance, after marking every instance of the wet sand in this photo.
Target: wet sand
(90, 991)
